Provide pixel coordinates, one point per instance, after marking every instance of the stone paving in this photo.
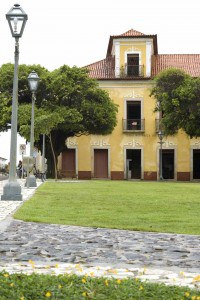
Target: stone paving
(57, 249)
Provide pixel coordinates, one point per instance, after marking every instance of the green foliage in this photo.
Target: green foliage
(34, 287)
(143, 206)
(24, 95)
(5, 110)
(68, 103)
(93, 112)
(178, 98)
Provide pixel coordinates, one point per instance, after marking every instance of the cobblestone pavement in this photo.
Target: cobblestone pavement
(57, 249)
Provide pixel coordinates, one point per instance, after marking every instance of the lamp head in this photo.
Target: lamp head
(16, 19)
(160, 135)
(33, 80)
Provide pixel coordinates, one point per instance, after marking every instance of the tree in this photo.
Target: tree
(178, 99)
(68, 103)
(45, 122)
(24, 95)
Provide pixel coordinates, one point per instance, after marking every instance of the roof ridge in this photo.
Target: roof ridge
(98, 61)
(106, 59)
(132, 32)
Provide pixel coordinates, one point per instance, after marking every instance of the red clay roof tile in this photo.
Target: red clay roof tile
(104, 68)
(190, 63)
(132, 32)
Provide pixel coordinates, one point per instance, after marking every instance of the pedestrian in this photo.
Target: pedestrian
(19, 169)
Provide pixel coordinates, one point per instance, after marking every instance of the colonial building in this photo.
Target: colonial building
(132, 151)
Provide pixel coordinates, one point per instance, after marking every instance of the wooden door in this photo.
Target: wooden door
(100, 163)
(69, 163)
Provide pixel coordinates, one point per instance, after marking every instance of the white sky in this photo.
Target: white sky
(77, 32)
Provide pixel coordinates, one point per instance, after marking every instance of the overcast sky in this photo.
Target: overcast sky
(77, 32)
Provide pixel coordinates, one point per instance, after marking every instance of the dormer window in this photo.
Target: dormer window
(133, 65)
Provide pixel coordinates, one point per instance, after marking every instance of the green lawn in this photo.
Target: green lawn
(144, 206)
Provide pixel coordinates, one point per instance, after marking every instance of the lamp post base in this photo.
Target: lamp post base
(12, 191)
(31, 181)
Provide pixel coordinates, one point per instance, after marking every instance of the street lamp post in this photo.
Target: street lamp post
(43, 154)
(160, 136)
(16, 19)
(33, 80)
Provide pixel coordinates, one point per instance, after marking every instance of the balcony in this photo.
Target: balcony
(133, 125)
(132, 71)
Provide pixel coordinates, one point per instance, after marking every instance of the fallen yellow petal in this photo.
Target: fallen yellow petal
(47, 267)
(31, 262)
(197, 278)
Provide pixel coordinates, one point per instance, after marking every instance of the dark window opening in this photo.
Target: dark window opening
(196, 164)
(133, 65)
(168, 164)
(134, 115)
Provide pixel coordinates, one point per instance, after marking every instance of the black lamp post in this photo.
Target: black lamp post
(160, 136)
(16, 19)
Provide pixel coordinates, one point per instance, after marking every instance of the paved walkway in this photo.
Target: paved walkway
(58, 249)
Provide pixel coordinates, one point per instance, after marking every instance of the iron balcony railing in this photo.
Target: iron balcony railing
(132, 71)
(133, 124)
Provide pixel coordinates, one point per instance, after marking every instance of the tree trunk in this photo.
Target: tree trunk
(54, 158)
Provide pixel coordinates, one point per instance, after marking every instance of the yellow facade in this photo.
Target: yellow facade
(132, 151)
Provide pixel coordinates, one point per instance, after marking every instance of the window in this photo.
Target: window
(133, 115)
(133, 65)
